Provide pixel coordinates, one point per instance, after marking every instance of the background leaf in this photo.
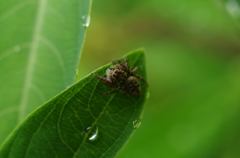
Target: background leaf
(39, 51)
(233, 8)
(63, 127)
(193, 66)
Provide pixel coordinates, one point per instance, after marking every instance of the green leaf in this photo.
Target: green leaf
(65, 126)
(39, 51)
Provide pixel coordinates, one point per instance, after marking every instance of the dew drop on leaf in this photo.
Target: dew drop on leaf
(76, 71)
(137, 123)
(85, 20)
(148, 94)
(17, 48)
(91, 132)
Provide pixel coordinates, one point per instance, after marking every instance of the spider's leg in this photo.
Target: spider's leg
(110, 92)
(124, 67)
(135, 70)
(127, 62)
(140, 77)
(105, 81)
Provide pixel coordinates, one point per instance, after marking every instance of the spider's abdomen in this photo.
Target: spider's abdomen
(133, 86)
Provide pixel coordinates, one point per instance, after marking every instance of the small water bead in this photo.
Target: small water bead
(17, 48)
(86, 20)
(76, 72)
(91, 132)
(148, 94)
(137, 123)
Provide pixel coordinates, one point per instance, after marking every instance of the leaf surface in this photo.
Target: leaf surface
(39, 51)
(67, 124)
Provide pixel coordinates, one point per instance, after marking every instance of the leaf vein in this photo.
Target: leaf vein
(58, 124)
(94, 123)
(32, 58)
(56, 52)
(12, 11)
(41, 123)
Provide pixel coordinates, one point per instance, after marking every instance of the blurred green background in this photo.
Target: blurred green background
(193, 65)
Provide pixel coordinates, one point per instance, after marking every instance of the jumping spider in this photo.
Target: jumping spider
(120, 76)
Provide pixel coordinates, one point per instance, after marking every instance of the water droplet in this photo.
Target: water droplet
(148, 94)
(86, 20)
(17, 48)
(91, 132)
(137, 123)
(76, 72)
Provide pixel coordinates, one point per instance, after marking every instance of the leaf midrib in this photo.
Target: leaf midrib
(32, 58)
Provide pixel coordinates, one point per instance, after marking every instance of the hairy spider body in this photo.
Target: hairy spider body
(121, 77)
